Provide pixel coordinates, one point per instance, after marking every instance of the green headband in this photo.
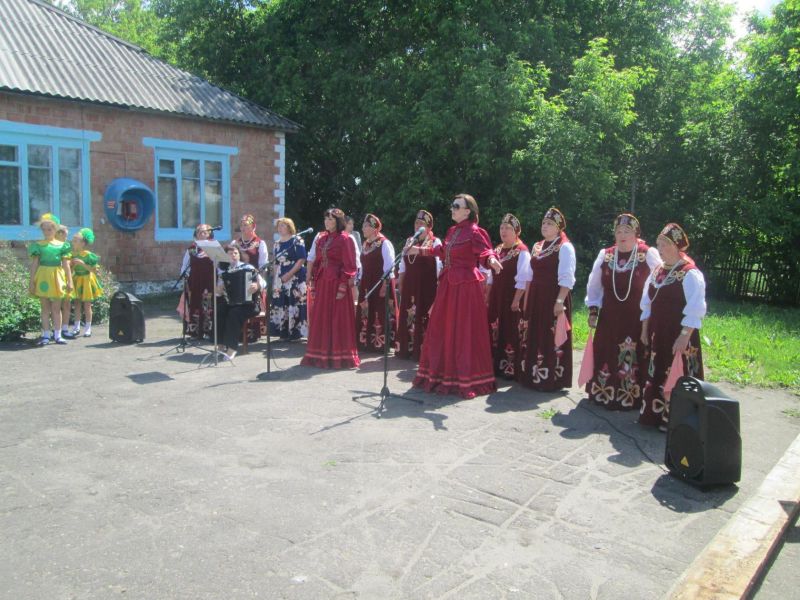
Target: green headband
(87, 234)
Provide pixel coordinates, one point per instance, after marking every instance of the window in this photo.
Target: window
(43, 169)
(192, 187)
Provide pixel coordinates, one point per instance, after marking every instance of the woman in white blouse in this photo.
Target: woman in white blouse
(377, 258)
(546, 366)
(506, 291)
(673, 305)
(613, 293)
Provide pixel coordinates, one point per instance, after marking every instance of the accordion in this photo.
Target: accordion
(237, 286)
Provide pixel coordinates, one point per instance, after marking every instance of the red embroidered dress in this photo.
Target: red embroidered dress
(331, 328)
(503, 322)
(372, 331)
(669, 310)
(619, 374)
(199, 289)
(545, 367)
(456, 354)
(416, 298)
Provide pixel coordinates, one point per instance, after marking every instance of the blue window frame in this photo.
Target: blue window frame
(43, 169)
(192, 186)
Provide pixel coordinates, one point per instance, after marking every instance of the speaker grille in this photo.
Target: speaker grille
(685, 451)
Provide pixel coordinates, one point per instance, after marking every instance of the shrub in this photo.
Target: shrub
(100, 307)
(19, 312)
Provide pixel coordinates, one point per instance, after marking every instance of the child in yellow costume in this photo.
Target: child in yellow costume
(62, 233)
(51, 277)
(87, 288)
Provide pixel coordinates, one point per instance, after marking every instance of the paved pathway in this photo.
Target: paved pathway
(127, 474)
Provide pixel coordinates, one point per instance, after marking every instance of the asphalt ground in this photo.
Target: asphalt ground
(130, 471)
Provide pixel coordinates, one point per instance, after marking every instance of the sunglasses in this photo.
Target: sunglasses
(456, 206)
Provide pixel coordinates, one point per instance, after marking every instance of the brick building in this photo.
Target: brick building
(80, 109)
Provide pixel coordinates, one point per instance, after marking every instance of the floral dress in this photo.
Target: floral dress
(288, 311)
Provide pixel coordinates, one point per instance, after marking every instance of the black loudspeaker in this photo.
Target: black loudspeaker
(704, 445)
(126, 319)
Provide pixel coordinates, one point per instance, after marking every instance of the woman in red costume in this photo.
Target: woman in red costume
(613, 293)
(418, 279)
(456, 355)
(377, 257)
(673, 306)
(199, 286)
(253, 250)
(547, 366)
(332, 327)
(506, 291)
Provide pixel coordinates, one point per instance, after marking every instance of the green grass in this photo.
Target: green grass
(743, 343)
(752, 344)
(548, 413)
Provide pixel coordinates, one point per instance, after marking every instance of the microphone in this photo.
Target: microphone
(419, 234)
(217, 228)
(306, 231)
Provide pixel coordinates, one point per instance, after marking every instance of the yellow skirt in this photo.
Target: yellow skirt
(50, 282)
(87, 288)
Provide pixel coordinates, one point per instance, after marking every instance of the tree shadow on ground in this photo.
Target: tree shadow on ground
(517, 398)
(401, 369)
(411, 403)
(634, 444)
(293, 373)
(174, 342)
(18, 345)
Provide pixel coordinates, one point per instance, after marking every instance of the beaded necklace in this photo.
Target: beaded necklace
(633, 259)
(513, 251)
(368, 246)
(540, 253)
(668, 280)
(249, 243)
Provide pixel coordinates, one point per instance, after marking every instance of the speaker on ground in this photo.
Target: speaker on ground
(704, 445)
(126, 319)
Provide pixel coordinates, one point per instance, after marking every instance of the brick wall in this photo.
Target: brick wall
(257, 173)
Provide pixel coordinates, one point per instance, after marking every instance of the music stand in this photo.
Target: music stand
(214, 251)
(385, 393)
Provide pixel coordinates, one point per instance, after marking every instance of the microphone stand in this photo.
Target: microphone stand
(268, 269)
(180, 347)
(267, 307)
(385, 393)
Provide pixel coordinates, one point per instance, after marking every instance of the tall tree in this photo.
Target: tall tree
(770, 108)
(130, 20)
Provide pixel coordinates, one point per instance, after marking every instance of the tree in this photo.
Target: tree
(130, 20)
(770, 108)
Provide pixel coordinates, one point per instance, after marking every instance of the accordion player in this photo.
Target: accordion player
(237, 284)
(242, 285)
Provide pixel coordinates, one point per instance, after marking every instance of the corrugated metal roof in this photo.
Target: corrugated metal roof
(45, 51)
